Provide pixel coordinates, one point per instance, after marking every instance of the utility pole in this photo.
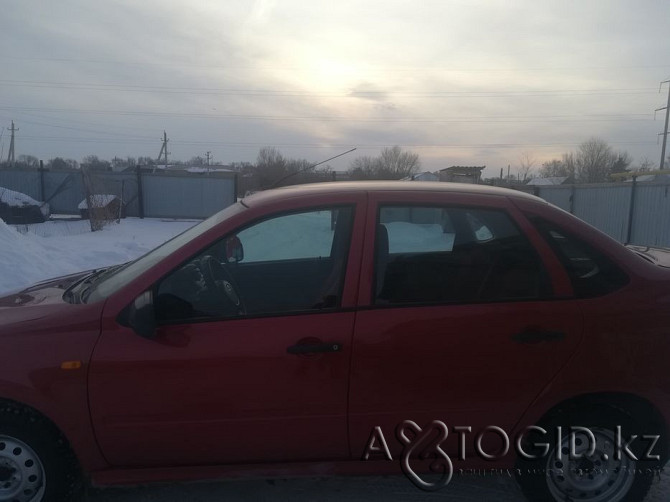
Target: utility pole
(10, 156)
(667, 114)
(164, 151)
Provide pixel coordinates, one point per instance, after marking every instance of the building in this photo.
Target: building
(462, 174)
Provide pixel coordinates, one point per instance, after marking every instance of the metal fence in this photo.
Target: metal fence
(633, 213)
(154, 195)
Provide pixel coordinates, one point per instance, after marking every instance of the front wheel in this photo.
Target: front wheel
(588, 464)
(36, 463)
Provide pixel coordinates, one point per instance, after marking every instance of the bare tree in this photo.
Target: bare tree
(363, 168)
(399, 164)
(273, 169)
(93, 163)
(553, 168)
(594, 161)
(644, 164)
(622, 162)
(270, 166)
(565, 166)
(27, 161)
(526, 163)
(392, 164)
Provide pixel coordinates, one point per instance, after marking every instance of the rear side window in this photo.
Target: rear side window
(453, 255)
(592, 273)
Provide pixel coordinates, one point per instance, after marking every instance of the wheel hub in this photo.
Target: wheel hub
(21, 472)
(597, 477)
(6, 473)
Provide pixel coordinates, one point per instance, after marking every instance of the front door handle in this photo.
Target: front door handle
(314, 348)
(537, 336)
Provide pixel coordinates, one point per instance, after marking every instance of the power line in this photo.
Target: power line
(299, 93)
(184, 64)
(330, 145)
(327, 118)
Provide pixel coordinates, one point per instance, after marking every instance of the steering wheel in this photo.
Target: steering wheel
(219, 278)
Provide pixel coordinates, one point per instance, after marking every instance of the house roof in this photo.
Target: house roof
(465, 170)
(98, 200)
(16, 199)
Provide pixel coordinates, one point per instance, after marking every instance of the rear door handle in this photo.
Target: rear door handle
(537, 336)
(314, 348)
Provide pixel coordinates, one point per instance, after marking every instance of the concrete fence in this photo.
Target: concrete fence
(154, 195)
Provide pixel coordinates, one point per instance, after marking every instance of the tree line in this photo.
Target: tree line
(594, 161)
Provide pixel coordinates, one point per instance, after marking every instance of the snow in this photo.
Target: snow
(302, 235)
(99, 200)
(200, 170)
(54, 248)
(411, 237)
(16, 199)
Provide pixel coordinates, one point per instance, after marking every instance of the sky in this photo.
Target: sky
(467, 82)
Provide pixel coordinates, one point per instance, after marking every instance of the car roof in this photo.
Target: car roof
(338, 187)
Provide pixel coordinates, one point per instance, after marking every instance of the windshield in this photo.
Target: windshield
(109, 284)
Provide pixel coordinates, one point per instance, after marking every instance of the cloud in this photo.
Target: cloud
(464, 80)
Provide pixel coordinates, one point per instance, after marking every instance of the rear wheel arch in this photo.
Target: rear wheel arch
(638, 408)
(548, 478)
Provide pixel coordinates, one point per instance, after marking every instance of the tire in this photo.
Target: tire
(36, 462)
(600, 477)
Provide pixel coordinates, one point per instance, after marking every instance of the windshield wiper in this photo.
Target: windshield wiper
(78, 290)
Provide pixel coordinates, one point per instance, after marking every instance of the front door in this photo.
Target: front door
(251, 358)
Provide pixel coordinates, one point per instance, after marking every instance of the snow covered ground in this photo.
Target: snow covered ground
(31, 253)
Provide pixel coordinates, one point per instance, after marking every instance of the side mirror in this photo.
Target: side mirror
(142, 315)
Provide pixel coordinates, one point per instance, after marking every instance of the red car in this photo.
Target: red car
(359, 328)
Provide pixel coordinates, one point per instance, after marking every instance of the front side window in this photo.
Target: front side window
(453, 255)
(288, 263)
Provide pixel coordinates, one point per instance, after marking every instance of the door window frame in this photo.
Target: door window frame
(559, 285)
(356, 218)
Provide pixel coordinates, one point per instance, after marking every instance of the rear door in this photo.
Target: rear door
(468, 317)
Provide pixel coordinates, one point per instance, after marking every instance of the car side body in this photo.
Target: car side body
(236, 394)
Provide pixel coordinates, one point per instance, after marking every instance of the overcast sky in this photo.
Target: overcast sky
(459, 82)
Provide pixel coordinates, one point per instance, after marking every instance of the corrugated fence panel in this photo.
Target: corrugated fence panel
(180, 195)
(123, 185)
(556, 195)
(64, 191)
(651, 221)
(186, 196)
(217, 196)
(171, 195)
(24, 181)
(605, 207)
